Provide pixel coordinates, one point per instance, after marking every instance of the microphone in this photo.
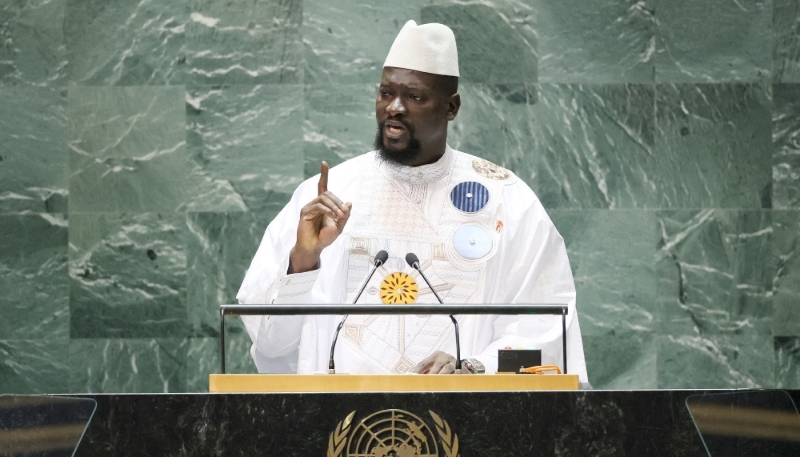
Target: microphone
(413, 262)
(380, 258)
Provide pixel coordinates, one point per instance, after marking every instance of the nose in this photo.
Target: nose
(396, 107)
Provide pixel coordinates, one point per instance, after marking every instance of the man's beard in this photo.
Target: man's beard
(402, 156)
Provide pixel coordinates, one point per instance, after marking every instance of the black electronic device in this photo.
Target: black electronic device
(511, 360)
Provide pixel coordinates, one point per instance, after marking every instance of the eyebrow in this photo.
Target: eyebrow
(385, 85)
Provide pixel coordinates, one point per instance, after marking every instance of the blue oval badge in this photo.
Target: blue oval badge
(470, 196)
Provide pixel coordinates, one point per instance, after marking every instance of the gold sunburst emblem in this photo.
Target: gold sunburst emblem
(399, 289)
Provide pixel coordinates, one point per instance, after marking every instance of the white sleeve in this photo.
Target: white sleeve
(267, 282)
(531, 267)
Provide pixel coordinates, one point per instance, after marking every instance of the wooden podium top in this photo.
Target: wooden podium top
(275, 383)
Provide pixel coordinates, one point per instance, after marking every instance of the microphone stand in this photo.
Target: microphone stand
(413, 261)
(380, 259)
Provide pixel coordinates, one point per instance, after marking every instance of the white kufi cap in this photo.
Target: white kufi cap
(428, 47)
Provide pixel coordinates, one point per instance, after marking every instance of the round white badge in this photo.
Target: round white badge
(472, 241)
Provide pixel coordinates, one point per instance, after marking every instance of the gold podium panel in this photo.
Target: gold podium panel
(275, 383)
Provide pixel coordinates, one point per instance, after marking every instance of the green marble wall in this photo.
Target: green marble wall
(144, 146)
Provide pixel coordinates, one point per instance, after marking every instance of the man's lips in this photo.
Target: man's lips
(394, 129)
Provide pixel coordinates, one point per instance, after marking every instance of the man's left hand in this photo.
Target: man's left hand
(437, 363)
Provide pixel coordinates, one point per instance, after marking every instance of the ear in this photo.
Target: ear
(453, 105)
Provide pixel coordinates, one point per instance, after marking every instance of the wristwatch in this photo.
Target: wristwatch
(473, 366)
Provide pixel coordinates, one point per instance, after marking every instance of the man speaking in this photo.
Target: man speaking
(480, 234)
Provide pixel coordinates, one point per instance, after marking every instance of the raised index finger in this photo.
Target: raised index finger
(322, 186)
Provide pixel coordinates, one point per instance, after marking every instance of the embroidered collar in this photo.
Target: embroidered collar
(422, 174)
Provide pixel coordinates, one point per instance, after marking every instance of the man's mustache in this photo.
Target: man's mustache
(407, 126)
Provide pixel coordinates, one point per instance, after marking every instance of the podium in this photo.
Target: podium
(575, 423)
(320, 383)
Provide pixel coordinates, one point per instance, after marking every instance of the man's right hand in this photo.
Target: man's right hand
(321, 222)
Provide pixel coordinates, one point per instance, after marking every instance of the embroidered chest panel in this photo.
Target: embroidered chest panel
(450, 223)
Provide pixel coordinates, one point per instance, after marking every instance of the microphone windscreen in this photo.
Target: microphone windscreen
(381, 258)
(411, 259)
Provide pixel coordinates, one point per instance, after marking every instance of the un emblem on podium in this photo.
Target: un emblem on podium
(392, 433)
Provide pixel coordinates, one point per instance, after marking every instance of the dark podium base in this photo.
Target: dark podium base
(583, 423)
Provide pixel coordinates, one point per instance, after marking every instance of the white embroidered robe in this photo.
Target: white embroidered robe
(502, 249)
